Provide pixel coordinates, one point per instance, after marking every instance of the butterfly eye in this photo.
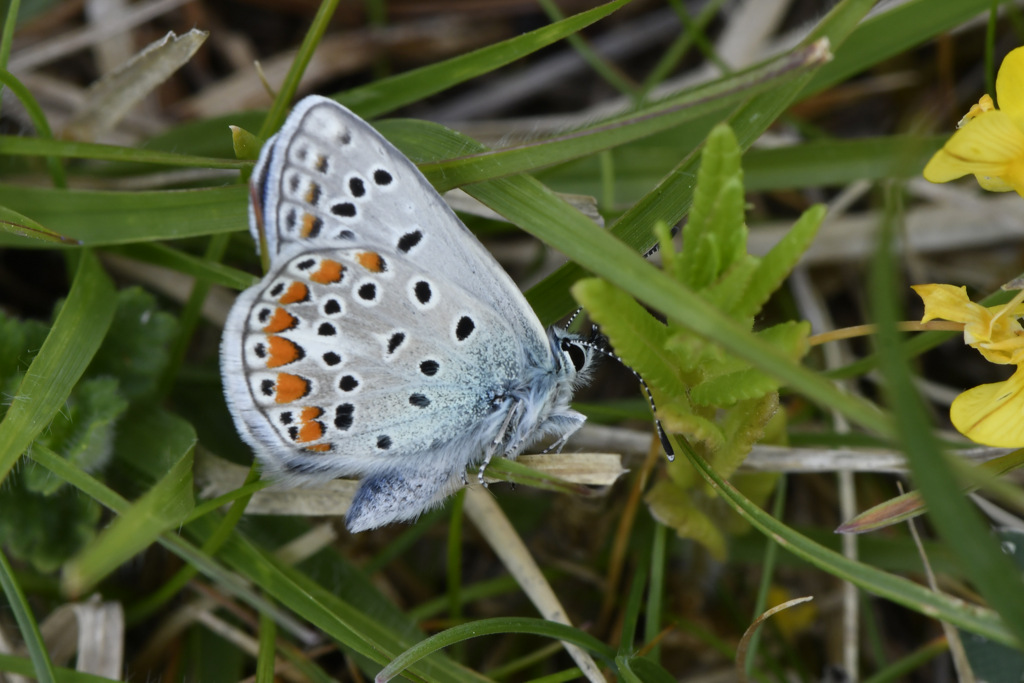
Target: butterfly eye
(576, 354)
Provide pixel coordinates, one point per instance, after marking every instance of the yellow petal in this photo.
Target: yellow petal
(989, 145)
(984, 104)
(993, 184)
(946, 302)
(992, 414)
(1010, 82)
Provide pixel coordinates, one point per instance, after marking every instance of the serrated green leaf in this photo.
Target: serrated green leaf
(69, 348)
(136, 350)
(729, 389)
(672, 506)
(19, 341)
(730, 220)
(165, 506)
(635, 335)
(777, 264)
(744, 426)
(718, 180)
(83, 432)
(789, 336)
(728, 289)
(700, 261)
(678, 418)
(45, 530)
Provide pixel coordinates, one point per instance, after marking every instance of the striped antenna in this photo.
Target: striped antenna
(662, 436)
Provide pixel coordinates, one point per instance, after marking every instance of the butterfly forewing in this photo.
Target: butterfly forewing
(339, 183)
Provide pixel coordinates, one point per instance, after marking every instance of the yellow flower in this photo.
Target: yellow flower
(990, 414)
(990, 141)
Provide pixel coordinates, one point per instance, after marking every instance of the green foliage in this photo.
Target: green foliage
(43, 521)
(720, 402)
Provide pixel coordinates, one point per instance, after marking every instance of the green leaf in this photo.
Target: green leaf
(779, 262)
(45, 530)
(69, 348)
(19, 340)
(743, 426)
(731, 388)
(715, 225)
(83, 432)
(727, 291)
(165, 506)
(673, 506)
(634, 334)
(136, 350)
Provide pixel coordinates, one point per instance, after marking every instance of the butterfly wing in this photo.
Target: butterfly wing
(385, 342)
(347, 362)
(336, 181)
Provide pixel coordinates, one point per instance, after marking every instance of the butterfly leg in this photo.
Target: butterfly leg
(513, 414)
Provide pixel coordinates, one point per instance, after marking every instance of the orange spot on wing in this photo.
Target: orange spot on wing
(328, 273)
(313, 193)
(282, 320)
(319, 448)
(310, 225)
(371, 261)
(310, 413)
(282, 352)
(311, 431)
(297, 292)
(290, 388)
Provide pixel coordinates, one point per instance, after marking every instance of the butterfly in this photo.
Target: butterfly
(384, 342)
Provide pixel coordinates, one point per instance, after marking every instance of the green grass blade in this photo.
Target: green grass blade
(385, 95)
(165, 506)
(896, 30)
(652, 119)
(11, 145)
(42, 667)
(200, 268)
(283, 100)
(23, 667)
(105, 218)
(14, 223)
(501, 625)
(69, 347)
(35, 113)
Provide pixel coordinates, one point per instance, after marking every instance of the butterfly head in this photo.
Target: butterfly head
(575, 354)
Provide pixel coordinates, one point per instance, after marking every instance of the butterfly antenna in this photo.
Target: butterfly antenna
(662, 436)
(657, 245)
(572, 317)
